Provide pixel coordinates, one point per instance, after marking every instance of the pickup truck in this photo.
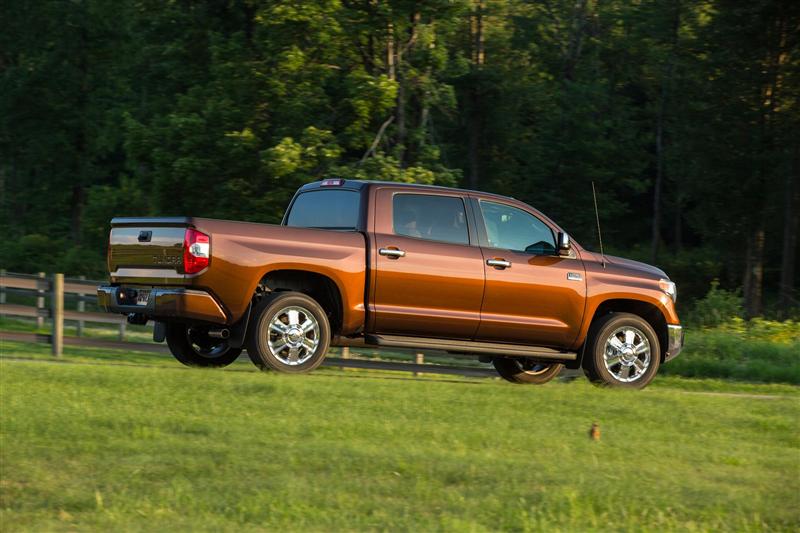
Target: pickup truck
(393, 265)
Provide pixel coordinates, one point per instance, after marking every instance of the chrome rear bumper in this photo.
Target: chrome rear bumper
(675, 337)
(165, 303)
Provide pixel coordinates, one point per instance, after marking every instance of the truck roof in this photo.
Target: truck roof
(360, 184)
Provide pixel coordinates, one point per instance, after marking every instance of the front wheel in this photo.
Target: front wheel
(289, 333)
(622, 351)
(524, 370)
(192, 346)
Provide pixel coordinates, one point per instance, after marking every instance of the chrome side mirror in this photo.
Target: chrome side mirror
(564, 244)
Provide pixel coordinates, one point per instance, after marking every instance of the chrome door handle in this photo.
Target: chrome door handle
(499, 263)
(390, 252)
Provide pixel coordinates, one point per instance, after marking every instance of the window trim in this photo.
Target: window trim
(483, 235)
(472, 239)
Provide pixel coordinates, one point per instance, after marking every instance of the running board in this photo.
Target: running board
(469, 347)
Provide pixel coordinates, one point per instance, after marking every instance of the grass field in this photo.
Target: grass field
(148, 445)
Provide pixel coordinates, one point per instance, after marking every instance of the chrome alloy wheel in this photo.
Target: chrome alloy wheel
(627, 354)
(293, 335)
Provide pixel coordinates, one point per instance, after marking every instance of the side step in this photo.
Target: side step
(469, 347)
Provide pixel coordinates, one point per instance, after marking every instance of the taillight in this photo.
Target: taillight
(196, 251)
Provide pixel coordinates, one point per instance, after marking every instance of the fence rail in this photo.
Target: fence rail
(83, 290)
(55, 287)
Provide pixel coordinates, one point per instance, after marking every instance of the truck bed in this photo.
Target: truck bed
(148, 252)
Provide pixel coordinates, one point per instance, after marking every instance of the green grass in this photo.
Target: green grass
(158, 447)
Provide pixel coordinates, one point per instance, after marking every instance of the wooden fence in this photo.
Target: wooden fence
(56, 286)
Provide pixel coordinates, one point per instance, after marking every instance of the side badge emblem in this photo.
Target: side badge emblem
(574, 276)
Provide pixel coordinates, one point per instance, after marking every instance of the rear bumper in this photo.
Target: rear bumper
(675, 337)
(168, 303)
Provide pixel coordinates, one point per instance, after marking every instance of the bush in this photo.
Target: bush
(755, 350)
(40, 253)
(716, 307)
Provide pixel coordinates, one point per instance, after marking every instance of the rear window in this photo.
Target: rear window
(337, 209)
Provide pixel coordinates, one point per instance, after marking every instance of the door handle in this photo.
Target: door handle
(392, 253)
(498, 263)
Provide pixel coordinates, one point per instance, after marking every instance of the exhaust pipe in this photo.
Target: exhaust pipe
(222, 333)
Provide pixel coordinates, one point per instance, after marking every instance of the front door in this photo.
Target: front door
(429, 276)
(533, 296)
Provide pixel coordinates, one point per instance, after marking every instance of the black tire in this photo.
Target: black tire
(192, 346)
(524, 371)
(614, 374)
(295, 350)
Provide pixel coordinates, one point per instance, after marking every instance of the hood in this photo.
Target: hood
(630, 264)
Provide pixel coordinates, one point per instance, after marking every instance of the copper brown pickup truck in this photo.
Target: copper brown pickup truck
(393, 265)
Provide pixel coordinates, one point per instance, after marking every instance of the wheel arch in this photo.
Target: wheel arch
(647, 311)
(318, 286)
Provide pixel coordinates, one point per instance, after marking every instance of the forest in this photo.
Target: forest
(684, 115)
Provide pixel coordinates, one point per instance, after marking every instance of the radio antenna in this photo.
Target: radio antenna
(597, 218)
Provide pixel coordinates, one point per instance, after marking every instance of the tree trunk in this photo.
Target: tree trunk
(655, 238)
(575, 44)
(77, 212)
(678, 219)
(769, 97)
(390, 52)
(475, 125)
(755, 274)
(402, 99)
(666, 81)
(786, 297)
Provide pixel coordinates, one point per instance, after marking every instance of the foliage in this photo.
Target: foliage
(759, 329)
(756, 351)
(54, 255)
(367, 453)
(716, 307)
(224, 109)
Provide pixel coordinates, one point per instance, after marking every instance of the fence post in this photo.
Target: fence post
(122, 326)
(57, 339)
(419, 358)
(81, 309)
(2, 286)
(40, 301)
(345, 354)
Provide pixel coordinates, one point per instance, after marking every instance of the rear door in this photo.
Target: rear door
(533, 296)
(429, 268)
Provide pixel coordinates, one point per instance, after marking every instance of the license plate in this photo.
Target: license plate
(142, 297)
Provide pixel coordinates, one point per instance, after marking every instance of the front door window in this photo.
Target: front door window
(513, 229)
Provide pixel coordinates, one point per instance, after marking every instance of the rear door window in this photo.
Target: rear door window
(430, 217)
(328, 209)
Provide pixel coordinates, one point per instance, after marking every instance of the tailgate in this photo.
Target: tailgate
(147, 250)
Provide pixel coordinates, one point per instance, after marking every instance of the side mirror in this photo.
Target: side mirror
(564, 244)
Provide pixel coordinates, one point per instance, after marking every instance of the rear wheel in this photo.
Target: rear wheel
(289, 332)
(622, 351)
(192, 346)
(524, 370)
